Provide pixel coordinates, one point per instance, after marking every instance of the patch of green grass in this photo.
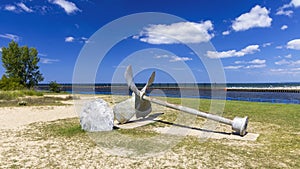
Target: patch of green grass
(33, 101)
(31, 98)
(63, 128)
(11, 95)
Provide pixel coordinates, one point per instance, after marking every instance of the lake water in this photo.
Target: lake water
(199, 91)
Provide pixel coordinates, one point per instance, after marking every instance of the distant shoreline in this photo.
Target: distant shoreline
(174, 85)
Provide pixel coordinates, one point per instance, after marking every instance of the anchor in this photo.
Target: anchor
(140, 105)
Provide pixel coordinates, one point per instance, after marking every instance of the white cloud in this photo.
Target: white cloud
(178, 59)
(284, 27)
(255, 66)
(233, 67)
(24, 7)
(69, 7)
(233, 53)
(10, 36)
(295, 3)
(297, 62)
(173, 58)
(288, 56)
(282, 11)
(85, 40)
(69, 39)
(41, 54)
(0, 49)
(48, 61)
(292, 71)
(239, 62)
(277, 70)
(296, 69)
(288, 62)
(267, 44)
(181, 32)
(226, 33)
(282, 62)
(279, 47)
(294, 44)
(10, 8)
(161, 56)
(257, 61)
(257, 17)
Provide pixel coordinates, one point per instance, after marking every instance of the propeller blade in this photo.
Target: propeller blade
(129, 79)
(149, 83)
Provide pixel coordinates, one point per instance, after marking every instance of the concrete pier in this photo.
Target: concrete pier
(266, 89)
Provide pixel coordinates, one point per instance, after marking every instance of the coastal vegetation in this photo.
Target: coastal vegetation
(54, 87)
(21, 75)
(21, 67)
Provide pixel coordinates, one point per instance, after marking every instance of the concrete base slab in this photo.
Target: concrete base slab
(205, 134)
(133, 123)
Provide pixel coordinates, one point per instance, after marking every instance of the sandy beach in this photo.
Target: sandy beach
(18, 117)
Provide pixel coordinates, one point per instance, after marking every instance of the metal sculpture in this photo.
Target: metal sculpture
(140, 105)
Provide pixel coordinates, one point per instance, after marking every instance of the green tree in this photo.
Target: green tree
(10, 83)
(54, 87)
(21, 63)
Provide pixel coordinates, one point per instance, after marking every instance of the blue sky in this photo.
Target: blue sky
(256, 41)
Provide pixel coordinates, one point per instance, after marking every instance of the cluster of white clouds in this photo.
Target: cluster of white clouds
(173, 58)
(233, 53)
(10, 37)
(18, 7)
(48, 60)
(294, 44)
(288, 62)
(70, 39)
(291, 71)
(286, 9)
(257, 17)
(256, 63)
(181, 32)
(68, 6)
(192, 32)
(14, 8)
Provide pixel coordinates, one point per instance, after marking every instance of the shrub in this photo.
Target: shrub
(54, 87)
(10, 84)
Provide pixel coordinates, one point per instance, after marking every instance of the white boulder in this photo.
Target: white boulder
(96, 115)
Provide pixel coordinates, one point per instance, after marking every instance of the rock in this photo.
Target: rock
(97, 116)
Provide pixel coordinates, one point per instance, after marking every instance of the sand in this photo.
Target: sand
(16, 117)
